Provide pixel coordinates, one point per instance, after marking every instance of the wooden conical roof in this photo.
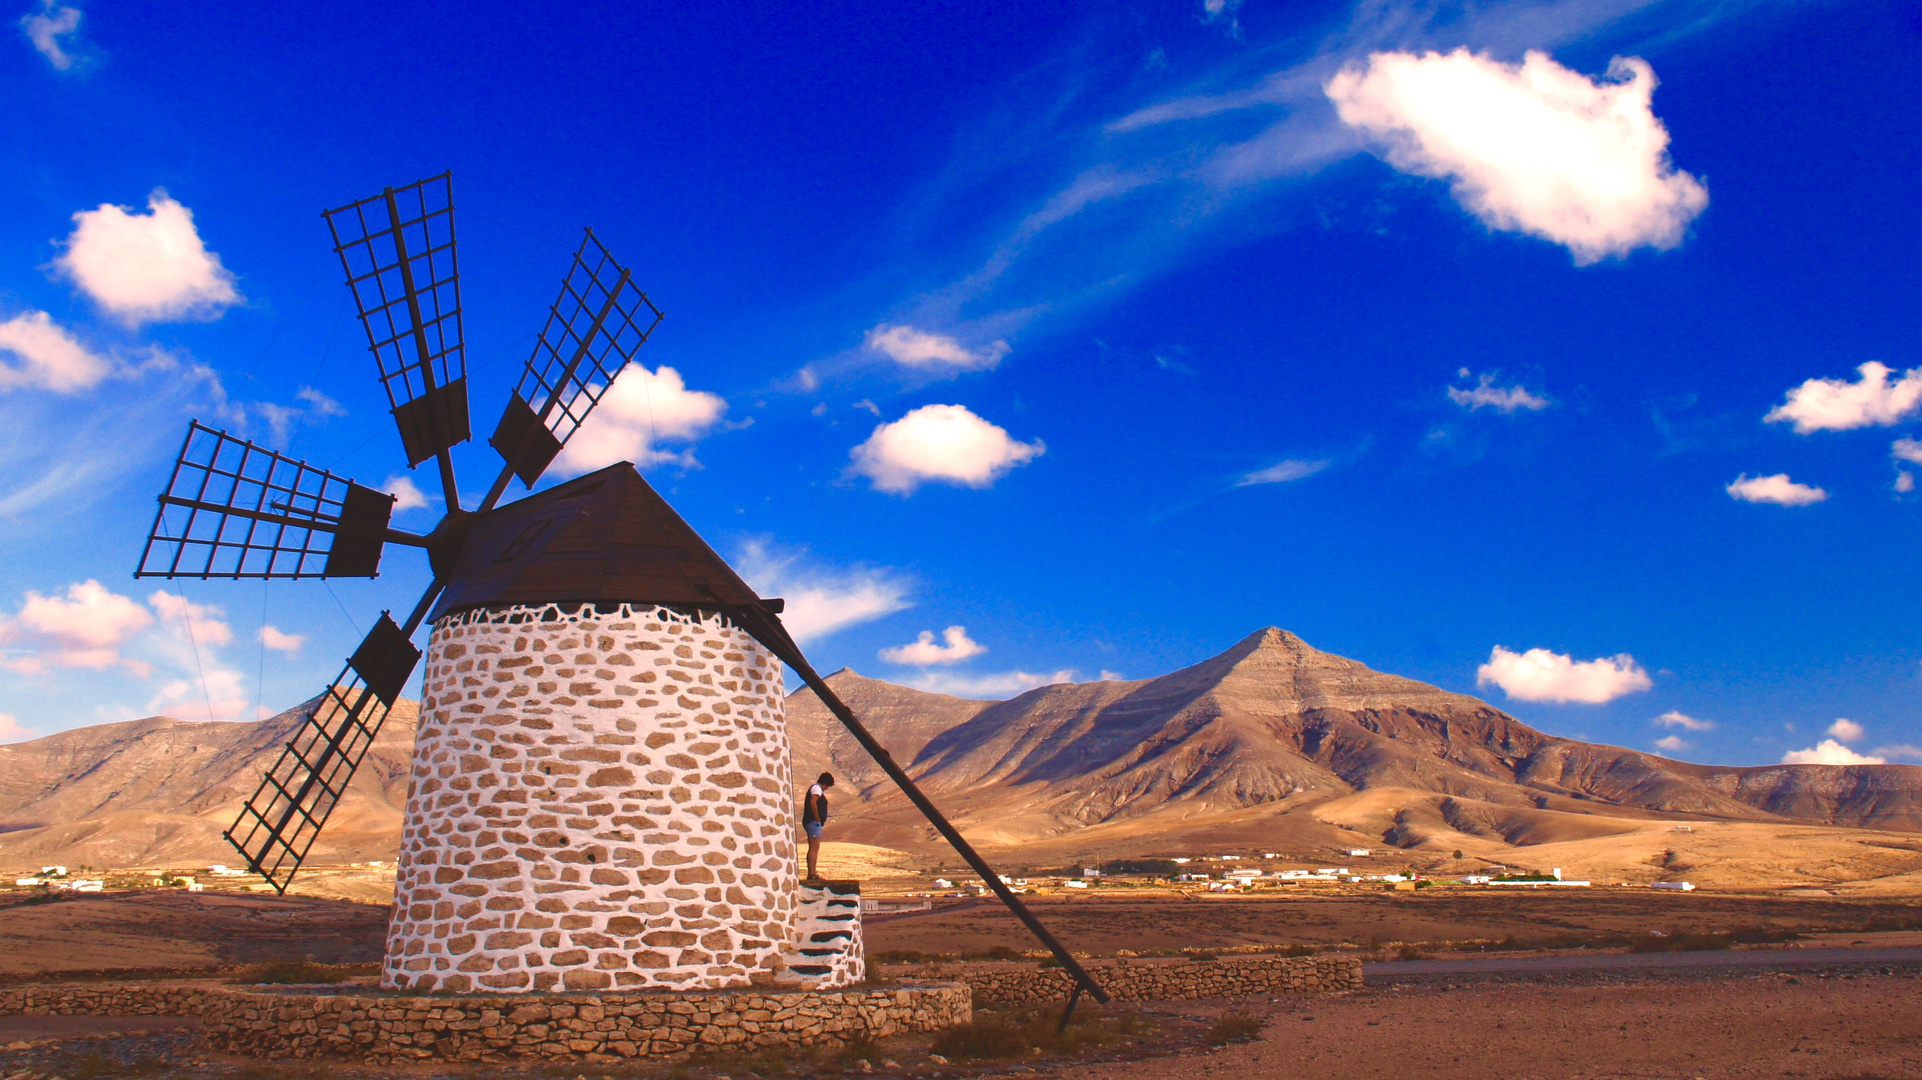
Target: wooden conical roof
(603, 538)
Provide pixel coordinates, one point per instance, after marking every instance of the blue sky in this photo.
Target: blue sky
(1516, 348)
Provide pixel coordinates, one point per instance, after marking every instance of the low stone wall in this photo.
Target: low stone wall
(601, 1029)
(1158, 980)
(108, 999)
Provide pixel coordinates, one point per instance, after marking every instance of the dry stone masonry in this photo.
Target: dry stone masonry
(601, 800)
(598, 1029)
(997, 986)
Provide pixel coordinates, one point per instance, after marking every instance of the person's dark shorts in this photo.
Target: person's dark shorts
(813, 829)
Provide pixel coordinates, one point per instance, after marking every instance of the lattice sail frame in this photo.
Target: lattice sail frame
(298, 794)
(233, 509)
(593, 331)
(398, 250)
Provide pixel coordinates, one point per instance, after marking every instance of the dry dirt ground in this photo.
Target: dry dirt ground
(173, 929)
(1820, 1013)
(1102, 925)
(1847, 1019)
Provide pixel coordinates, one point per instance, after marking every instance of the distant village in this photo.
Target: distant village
(1218, 873)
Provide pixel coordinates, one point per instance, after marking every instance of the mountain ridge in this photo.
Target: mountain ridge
(1270, 742)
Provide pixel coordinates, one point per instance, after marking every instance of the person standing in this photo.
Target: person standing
(814, 815)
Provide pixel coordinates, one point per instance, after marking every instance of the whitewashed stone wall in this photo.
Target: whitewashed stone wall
(828, 951)
(600, 800)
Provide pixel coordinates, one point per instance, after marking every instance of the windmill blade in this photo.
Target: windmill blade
(398, 251)
(236, 510)
(278, 825)
(594, 329)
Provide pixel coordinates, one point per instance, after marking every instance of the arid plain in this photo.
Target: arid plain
(1796, 953)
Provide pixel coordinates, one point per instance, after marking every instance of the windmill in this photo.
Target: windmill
(590, 837)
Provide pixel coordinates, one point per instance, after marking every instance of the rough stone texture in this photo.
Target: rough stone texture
(598, 1029)
(1152, 980)
(600, 800)
(827, 936)
(108, 999)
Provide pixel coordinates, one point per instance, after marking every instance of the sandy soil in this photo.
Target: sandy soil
(154, 928)
(1775, 1025)
(1102, 925)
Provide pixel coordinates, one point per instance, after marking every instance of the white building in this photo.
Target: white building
(1073, 883)
(1356, 852)
(943, 883)
(1680, 886)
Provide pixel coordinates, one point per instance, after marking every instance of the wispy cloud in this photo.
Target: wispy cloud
(1503, 399)
(921, 349)
(821, 599)
(1283, 471)
(642, 410)
(1132, 183)
(54, 30)
(1675, 719)
(1003, 684)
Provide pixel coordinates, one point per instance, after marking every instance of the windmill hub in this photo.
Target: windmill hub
(445, 542)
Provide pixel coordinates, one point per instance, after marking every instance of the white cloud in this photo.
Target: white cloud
(1674, 719)
(1835, 405)
(1777, 489)
(821, 600)
(1532, 148)
(86, 629)
(1671, 743)
(148, 267)
(46, 25)
(213, 693)
(407, 494)
(1900, 750)
(1904, 481)
(1282, 472)
(1002, 685)
(11, 730)
(280, 641)
(942, 443)
(46, 356)
(1829, 752)
(1540, 675)
(1223, 12)
(923, 652)
(1906, 449)
(920, 349)
(1503, 399)
(642, 409)
(1846, 730)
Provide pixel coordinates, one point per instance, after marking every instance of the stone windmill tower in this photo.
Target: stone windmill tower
(601, 794)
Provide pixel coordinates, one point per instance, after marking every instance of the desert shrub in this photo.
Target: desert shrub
(900, 956)
(1236, 1026)
(1202, 956)
(1014, 1033)
(1412, 952)
(1679, 942)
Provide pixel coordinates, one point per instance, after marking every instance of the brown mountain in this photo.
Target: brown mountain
(1275, 729)
(1272, 744)
(158, 792)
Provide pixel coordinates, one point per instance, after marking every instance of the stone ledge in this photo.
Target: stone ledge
(999, 987)
(597, 1029)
